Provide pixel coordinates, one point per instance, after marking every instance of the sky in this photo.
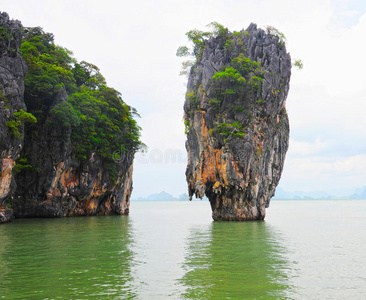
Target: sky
(134, 45)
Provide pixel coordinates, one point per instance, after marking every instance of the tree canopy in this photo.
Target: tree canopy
(100, 121)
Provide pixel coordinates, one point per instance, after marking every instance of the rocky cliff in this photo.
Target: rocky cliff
(67, 140)
(59, 184)
(12, 74)
(236, 121)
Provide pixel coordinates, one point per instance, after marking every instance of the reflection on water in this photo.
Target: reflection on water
(161, 251)
(304, 250)
(66, 258)
(235, 261)
(160, 232)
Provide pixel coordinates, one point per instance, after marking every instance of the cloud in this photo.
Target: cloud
(319, 173)
(306, 148)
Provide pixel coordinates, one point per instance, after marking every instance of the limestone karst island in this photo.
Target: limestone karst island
(235, 117)
(60, 123)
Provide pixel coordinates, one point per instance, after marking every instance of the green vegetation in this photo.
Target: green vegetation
(49, 71)
(186, 126)
(198, 38)
(17, 121)
(22, 164)
(234, 129)
(99, 120)
(236, 85)
(214, 103)
(64, 115)
(298, 64)
(230, 74)
(281, 37)
(229, 45)
(106, 123)
(243, 78)
(3, 97)
(192, 97)
(235, 90)
(7, 40)
(244, 64)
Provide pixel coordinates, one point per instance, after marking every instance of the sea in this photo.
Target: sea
(174, 250)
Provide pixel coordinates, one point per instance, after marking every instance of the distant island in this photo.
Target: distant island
(163, 196)
(281, 194)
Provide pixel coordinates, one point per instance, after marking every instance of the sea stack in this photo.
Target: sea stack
(236, 122)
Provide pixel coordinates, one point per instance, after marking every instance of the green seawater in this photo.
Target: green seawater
(173, 250)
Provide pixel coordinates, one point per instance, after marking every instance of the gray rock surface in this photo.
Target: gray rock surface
(57, 185)
(238, 129)
(6, 215)
(12, 74)
(64, 186)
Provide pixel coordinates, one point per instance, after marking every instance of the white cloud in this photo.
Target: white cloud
(319, 173)
(306, 148)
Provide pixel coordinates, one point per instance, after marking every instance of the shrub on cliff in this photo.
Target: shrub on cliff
(15, 124)
(198, 38)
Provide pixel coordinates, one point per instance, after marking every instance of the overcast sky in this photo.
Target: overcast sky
(134, 44)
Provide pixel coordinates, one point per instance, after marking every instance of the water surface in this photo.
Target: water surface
(173, 250)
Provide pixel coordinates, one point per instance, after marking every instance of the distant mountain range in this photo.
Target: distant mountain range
(162, 196)
(281, 194)
(360, 195)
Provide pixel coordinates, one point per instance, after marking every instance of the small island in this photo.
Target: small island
(67, 140)
(235, 116)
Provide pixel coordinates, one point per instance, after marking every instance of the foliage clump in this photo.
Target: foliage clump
(198, 38)
(16, 123)
(8, 40)
(243, 78)
(299, 64)
(235, 89)
(21, 165)
(275, 32)
(99, 120)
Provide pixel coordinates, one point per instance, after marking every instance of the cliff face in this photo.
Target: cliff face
(59, 185)
(72, 153)
(12, 74)
(236, 122)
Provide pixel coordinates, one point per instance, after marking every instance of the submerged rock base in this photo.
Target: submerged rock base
(6, 215)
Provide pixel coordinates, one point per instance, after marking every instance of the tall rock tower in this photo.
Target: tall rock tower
(236, 121)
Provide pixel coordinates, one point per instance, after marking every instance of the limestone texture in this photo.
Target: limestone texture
(51, 182)
(236, 122)
(6, 215)
(12, 74)
(64, 186)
